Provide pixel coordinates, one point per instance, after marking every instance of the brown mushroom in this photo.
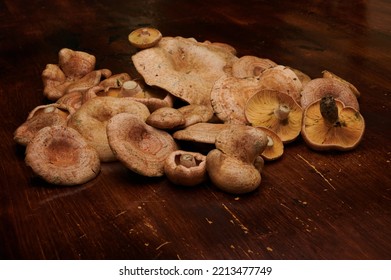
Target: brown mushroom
(166, 118)
(139, 146)
(200, 132)
(185, 168)
(92, 117)
(40, 117)
(234, 165)
(184, 67)
(72, 101)
(274, 148)
(145, 37)
(330, 125)
(319, 87)
(229, 96)
(61, 156)
(276, 111)
(75, 64)
(251, 66)
(328, 74)
(282, 79)
(195, 114)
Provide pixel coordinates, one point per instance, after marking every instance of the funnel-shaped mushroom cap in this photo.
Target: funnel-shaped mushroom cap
(92, 117)
(328, 74)
(166, 118)
(61, 156)
(144, 37)
(229, 96)
(319, 87)
(282, 79)
(42, 116)
(75, 64)
(184, 67)
(251, 66)
(343, 133)
(276, 111)
(274, 148)
(139, 146)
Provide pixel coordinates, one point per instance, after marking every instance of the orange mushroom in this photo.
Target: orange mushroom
(61, 156)
(274, 148)
(145, 37)
(251, 66)
(330, 125)
(277, 111)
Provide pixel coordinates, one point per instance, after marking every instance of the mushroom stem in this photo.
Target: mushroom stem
(282, 112)
(187, 160)
(329, 109)
(270, 141)
(130, 88)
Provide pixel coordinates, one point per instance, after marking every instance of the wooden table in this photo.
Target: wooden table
(310, 205)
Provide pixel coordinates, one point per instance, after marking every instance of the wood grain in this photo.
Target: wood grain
(310, 205)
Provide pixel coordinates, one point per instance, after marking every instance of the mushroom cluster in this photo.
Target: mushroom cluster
(242, 110)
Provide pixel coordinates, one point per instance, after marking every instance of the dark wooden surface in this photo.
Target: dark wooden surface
(309, 206)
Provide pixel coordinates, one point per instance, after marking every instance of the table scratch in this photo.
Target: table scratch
(317, 171)
(242, 226)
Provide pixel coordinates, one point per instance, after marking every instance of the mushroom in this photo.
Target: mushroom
(330, 125)
(145, 37)
(140, 147)
(319, 87)
(229, 96)
(184, 67)
(166, 118)
(200, 132)
(283, 79)
(40, 117)
(251, 66)
(195, 114)
(61, 156)
(274, 148)
(328, 74)
(75, 64)
(276, 111)
(92, 117)
(185, 168)
(72, 101)
(234, 166)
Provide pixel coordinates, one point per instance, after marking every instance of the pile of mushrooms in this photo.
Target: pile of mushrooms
(245, 109)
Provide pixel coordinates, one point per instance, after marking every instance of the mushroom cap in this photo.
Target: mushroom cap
(195, 114)
(303, 77)
(200, 132)
(61, 156)
(231, 174)
(242, 142)
(166, 118)
(229, 96)
(75, 64)
(40, 117)
(139, 146)
(144, 37)
(319, 87)
(92, 117)
(251, 66)
(184, 174)
(72, 100)
(274, 148)
(261, 110)
(328, 74)
(184, 67)
(320, 134)
(283, 79)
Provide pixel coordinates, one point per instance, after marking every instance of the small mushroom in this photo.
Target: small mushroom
(139, 146)
(166, 118)
(330, 125)
(92, 117)
(235, 165)
(42, 116)
(131, 89)
(328, 74)
(194, 113)
(251, 66)
(274, 148)
(319, 87)
(61, 156)
(185, 168)
(145, 37)
(276, 111)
